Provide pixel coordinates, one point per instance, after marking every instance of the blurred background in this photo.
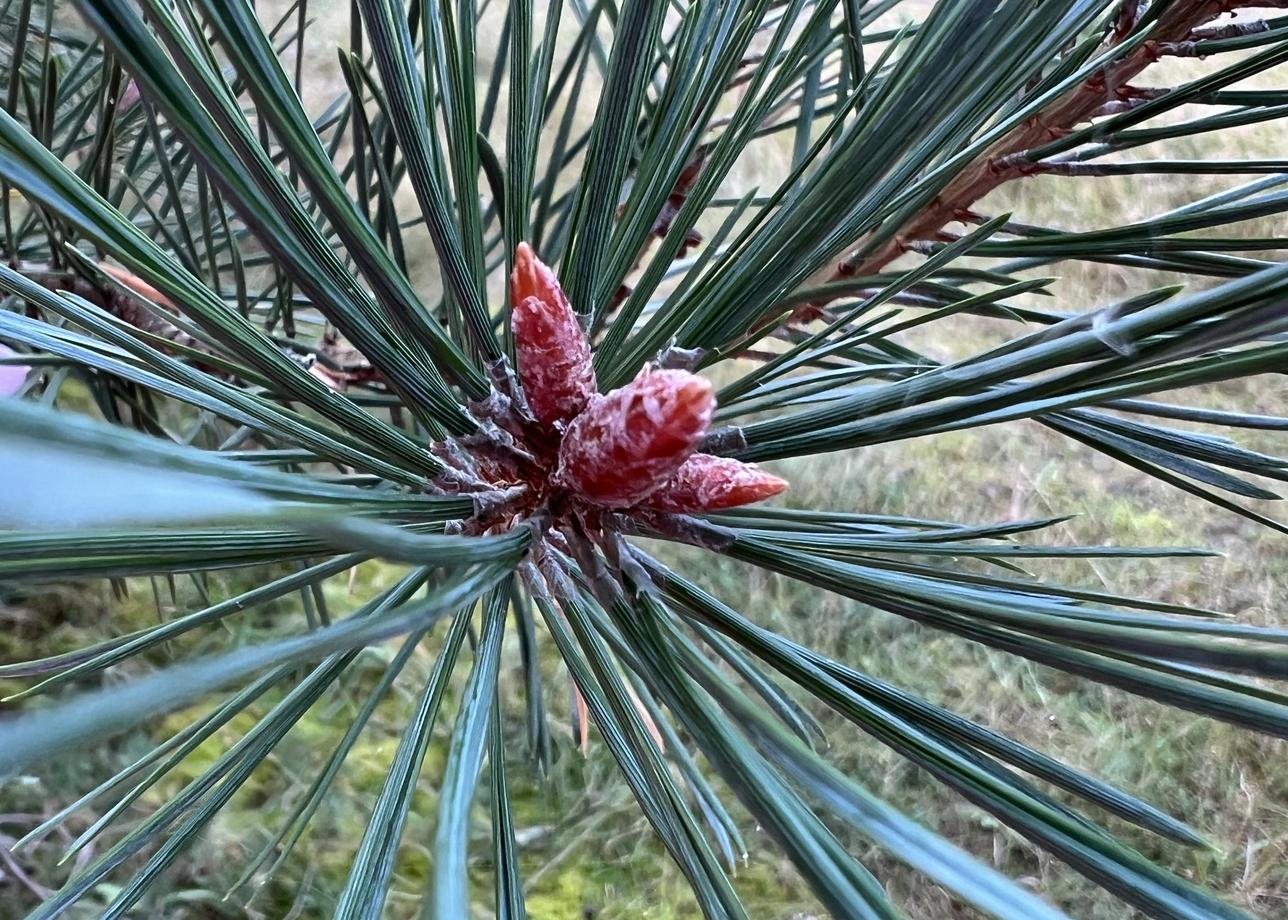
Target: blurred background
(586, 851)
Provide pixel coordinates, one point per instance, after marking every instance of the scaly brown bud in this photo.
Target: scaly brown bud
(550, 348)
(708, 483)
(628, 443)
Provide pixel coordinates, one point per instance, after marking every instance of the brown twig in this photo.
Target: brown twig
(17, 872)
(124, 300)
(679, 194)
(1107, 91)
(127, 296)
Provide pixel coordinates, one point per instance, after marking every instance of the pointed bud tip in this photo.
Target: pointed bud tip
(771, 485)
(551, 351)
(710, 483)
(533, 278)
(691, 390)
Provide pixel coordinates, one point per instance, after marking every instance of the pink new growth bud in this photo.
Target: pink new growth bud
(550, 348)
(707, 483)
(628, 443)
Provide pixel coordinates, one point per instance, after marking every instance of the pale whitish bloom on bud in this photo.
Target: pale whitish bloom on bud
(550, 348)
(707, 483)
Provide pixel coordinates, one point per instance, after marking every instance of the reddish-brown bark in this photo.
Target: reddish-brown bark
(1004, 161)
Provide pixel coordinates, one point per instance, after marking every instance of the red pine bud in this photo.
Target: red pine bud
(549, 345)
(708, 483)
(626, 444)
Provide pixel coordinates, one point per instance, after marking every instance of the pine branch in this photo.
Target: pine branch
(1107, 92)
(125, 300)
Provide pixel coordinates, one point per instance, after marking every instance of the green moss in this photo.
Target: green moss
(563, 896)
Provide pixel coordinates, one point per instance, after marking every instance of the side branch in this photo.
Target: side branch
(1107, 92)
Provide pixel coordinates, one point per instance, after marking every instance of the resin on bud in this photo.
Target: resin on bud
(550, 348)
(708, 483)
(628, 443)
